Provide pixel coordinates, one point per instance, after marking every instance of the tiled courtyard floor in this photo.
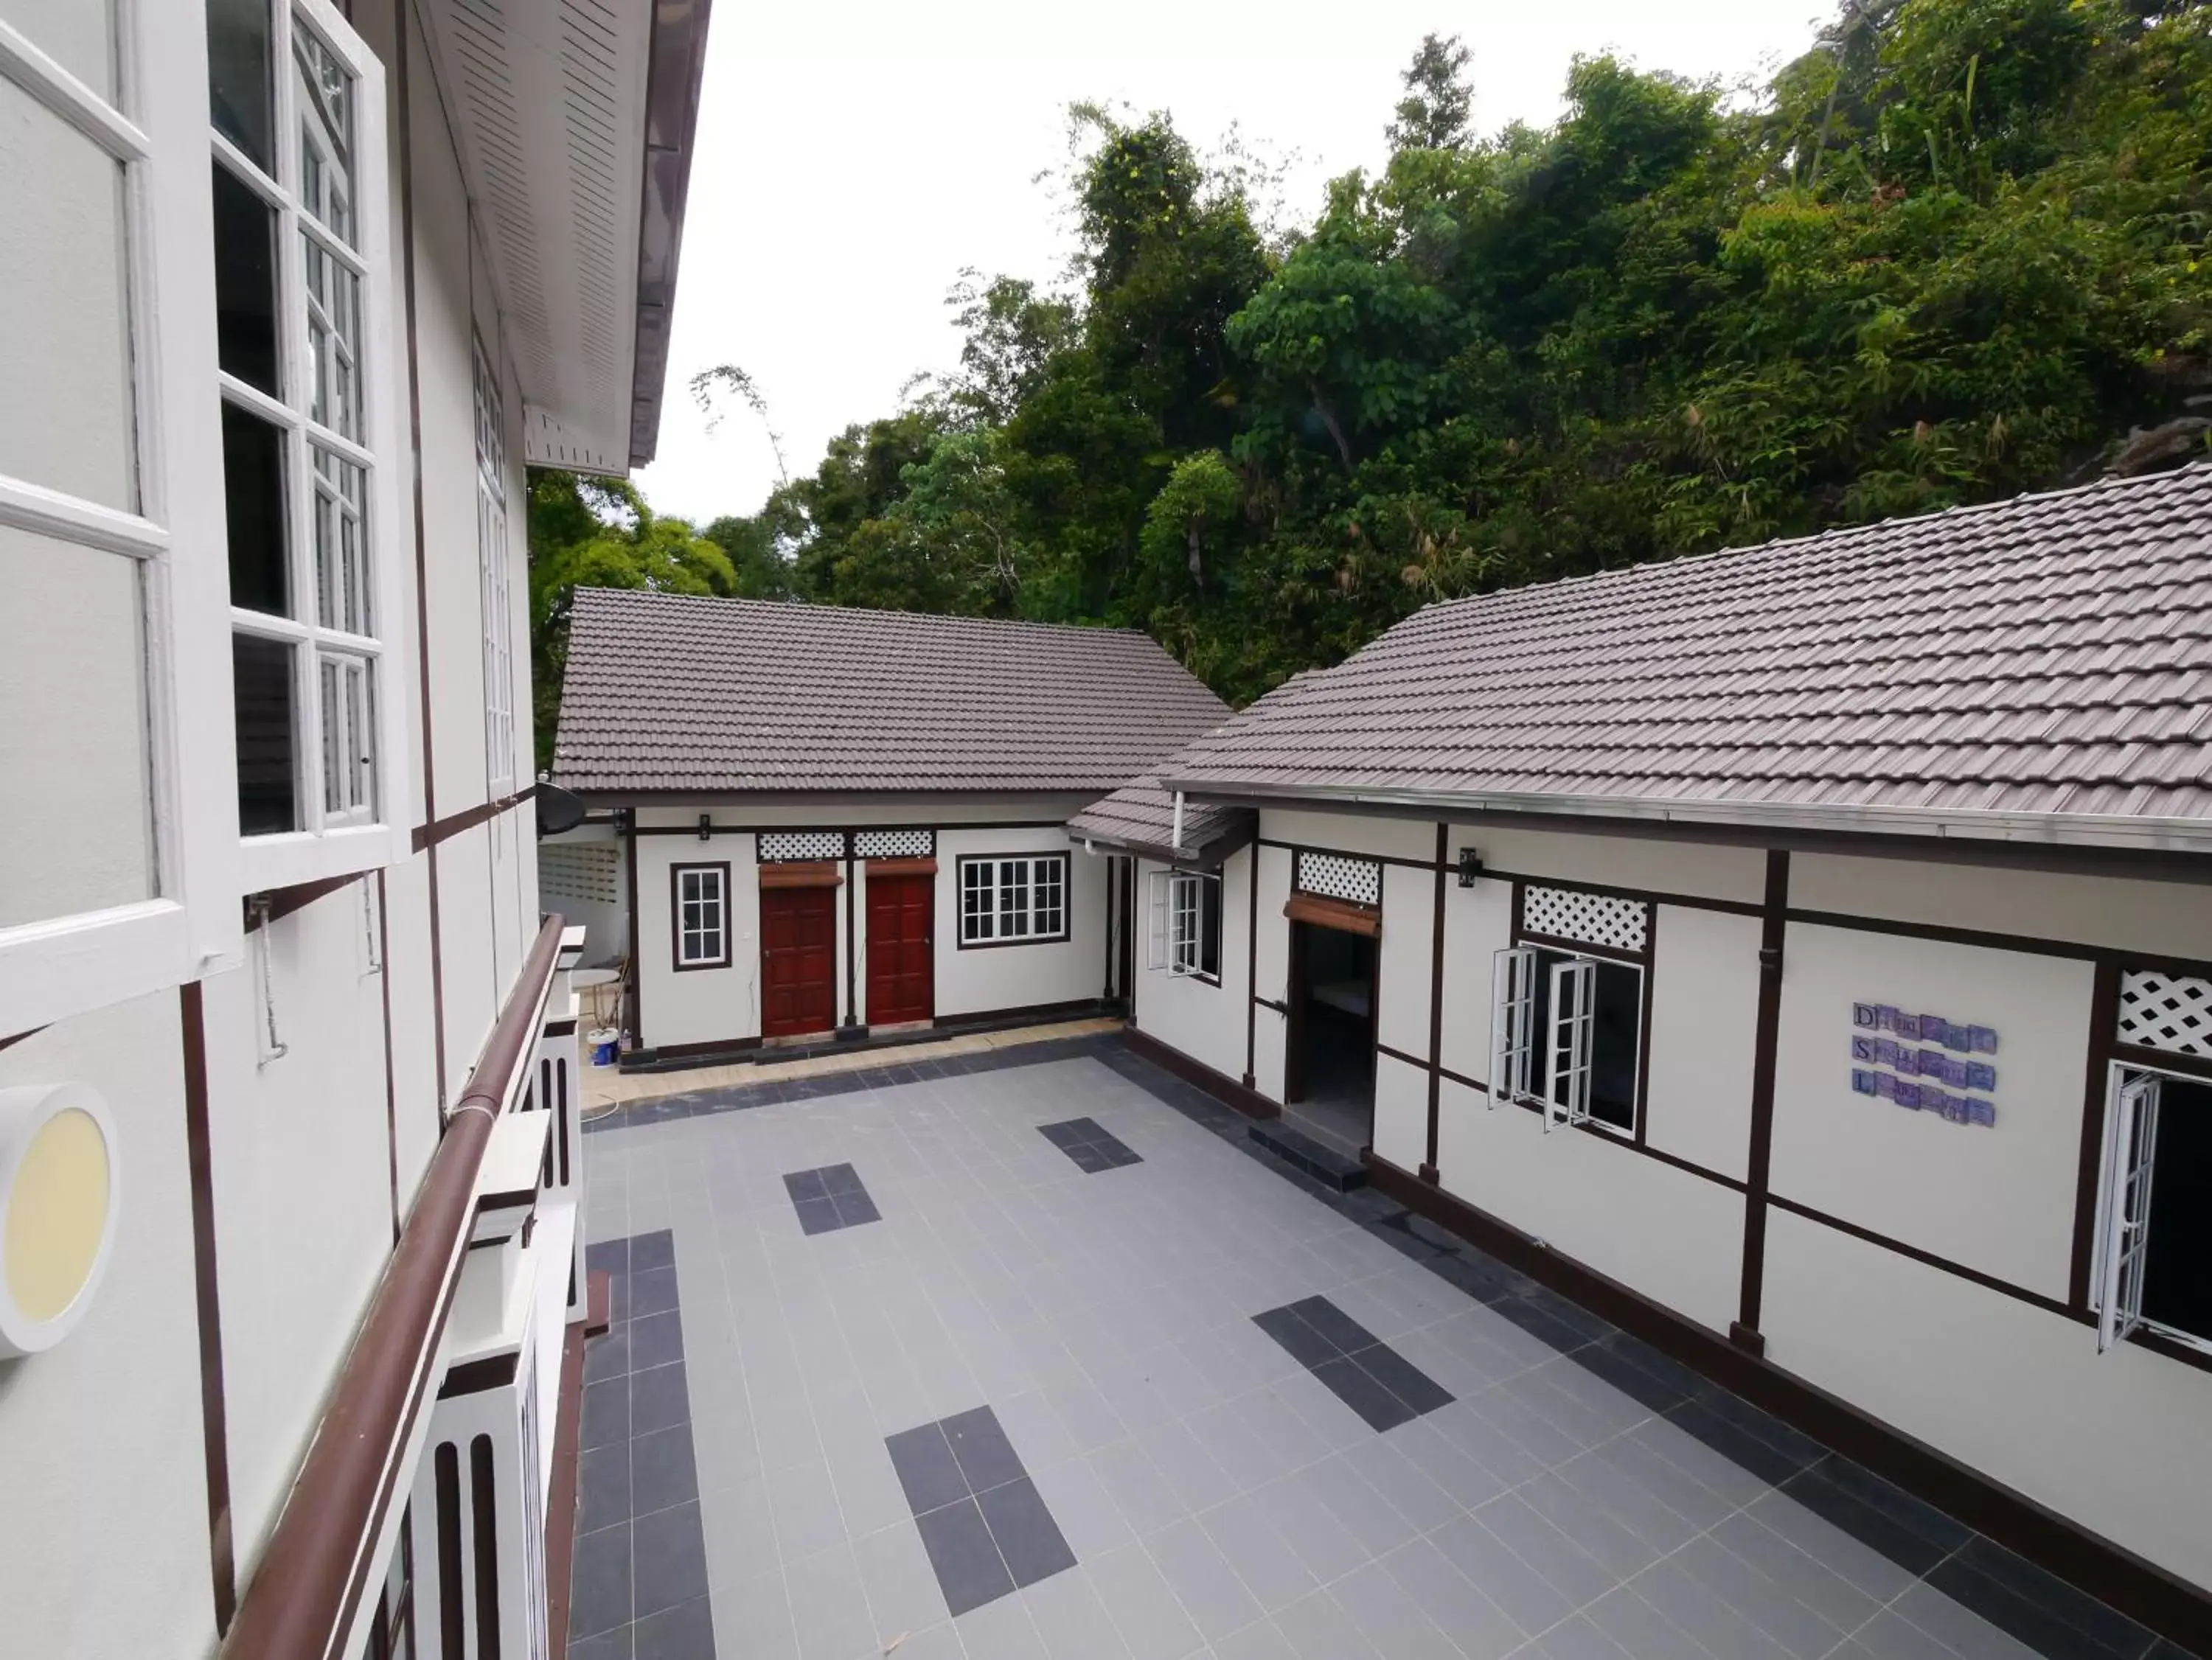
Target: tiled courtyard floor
(1416, 1455)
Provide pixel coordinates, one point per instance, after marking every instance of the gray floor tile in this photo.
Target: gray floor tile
(662, 1470)
(603, 1486)
(600, 1596)
(1477, 1626)
(1575, 1639)
(1764, 1602)
(1698, 1610)
(1410, 1492)
(829, 1607)
(986, 1457)
(902, 1587)
(1565, 1566)
(1071, 1620)
(803, 1503)
(752, 1618)
(607, 1645)
(1089, 1520)
(1265, 1563)
(685, 1632)
(927, 1470)
(1396, 1628)
(1321, 1539)
(1640, 1628)
(1955, 1627)
(606, 1413)
(670, 1559)
(1028, 1538)
(1529, 1600)
(659, 1399)
(1138, 1488)
(740, 1530)
(1595, 1530)
(1819, 1587)
(1202, 1580)
(1143, 1607)
(969, 1571)
(999, 1630)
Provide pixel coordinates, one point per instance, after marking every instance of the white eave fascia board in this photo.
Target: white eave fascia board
(2099, 830)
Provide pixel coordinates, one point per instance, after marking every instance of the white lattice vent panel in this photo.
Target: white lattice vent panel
(894, 844)
(2166, 1011)
(1334, 877)
(578, 872)
(1567, 913)
(783, 847)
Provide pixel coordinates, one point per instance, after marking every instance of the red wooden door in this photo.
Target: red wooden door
(799, 961)
(902, 939)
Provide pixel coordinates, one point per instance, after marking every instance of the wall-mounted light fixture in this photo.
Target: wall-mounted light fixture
(706, 826)
(1470, 866)
(58, 1193)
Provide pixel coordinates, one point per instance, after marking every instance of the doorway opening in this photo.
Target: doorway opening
(1328, 1086)
(799, 959)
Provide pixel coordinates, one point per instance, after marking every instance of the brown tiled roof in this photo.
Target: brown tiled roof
(2050, 655)
(667, 692)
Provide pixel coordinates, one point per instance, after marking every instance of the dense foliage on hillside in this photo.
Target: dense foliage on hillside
(1955, 252)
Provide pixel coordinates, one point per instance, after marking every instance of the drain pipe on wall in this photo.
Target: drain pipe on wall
(1174, 839)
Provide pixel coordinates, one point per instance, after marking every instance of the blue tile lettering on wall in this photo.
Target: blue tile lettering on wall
(640, 1582)
(1090, 1145)
(830, 1198)
(1890, 1068)
(987, 1530)
(1362, 1371)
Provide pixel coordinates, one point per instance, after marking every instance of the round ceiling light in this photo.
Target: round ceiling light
(57, 1205)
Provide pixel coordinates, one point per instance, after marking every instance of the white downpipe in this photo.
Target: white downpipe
(1174, 839)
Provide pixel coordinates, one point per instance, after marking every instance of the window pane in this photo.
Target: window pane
(325, 95)
(333, 301)
(66, 422)
(1615, 1037)
(245, 282)
(239, 101)
(341, 544)
(261, 672)
(2178, 1266)
(76, 818)
(254, 504)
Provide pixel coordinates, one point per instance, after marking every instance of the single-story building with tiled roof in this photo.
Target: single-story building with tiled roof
(808, 819)
(1801, 954)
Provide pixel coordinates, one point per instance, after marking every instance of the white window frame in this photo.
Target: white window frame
(718, 876)
(1178, 911)
(350, 837)
(986, 882)
(1551, 1070)
(155, 129)
(2124, 1207)
(493, 557)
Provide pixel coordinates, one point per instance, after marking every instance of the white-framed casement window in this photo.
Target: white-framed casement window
(301, 200)
(700, 915)
(1566, 1035)
(492, 559)
(1017, 899)
(2155, 1208)
(1185, 918)
(116, 846)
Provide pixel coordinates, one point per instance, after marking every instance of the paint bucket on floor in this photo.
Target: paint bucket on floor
(603, 1042)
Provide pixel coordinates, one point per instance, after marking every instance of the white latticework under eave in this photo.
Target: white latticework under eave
(1334, 877)
(1600, 919)
(782, 847)
(894, 844)
(2166, 1011)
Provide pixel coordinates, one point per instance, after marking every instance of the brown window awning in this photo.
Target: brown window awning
(901, 867)
(1340, 914)
(801, 873)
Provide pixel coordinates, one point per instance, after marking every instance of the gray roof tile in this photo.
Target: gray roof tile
(670, 692)
(2047, 655)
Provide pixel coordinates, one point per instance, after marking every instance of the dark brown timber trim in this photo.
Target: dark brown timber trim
(852, 937)
(484, 1509)
(934, 828)
(2116, 1576)
(14, 1038)
(474, 1377)
(1219, 1084)
(1925, 930)
(391, 1078)
(1428, 1172)
(561, 1500)
(430, 835)
(1251, 969)
(215, 1434)
(635, 986)
(1340, 914)
(676, 963)
(2104, 1020)
(1773, 928)
(319, 1561)
(402, 76)
(283, 901)
(1927, 1258)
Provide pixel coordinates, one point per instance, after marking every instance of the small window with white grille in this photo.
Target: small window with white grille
(1186, 918)
(1566, 1035)
(2171, 1012)
(1332, 876)
(702, 915)
(894, 844)
(799, 846)
(1013, 899)
(1586, 919)
(2154, 1210)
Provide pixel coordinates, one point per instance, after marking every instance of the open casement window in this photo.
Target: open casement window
(1186, 913)
(1016, 900)
(2130, 1161)
(1565, 1035)
(301, 305)
(116, 846)
(2154, 1210)
(492, 558)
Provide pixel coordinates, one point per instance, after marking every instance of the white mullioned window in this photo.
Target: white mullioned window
(300, 191)
(116, 837)
(703, 916)
(1565, 1035)
(1013, 899)
(1185, 924)
(2154, 1225)
(493, 557)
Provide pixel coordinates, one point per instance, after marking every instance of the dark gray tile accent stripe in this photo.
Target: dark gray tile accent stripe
(1092, 1146)
(2040, 1610)
(830, 1198)
(641, 1563)
(1362, 1371)
(986, 1528)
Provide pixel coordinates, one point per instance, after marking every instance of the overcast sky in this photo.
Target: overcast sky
(854, 154)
